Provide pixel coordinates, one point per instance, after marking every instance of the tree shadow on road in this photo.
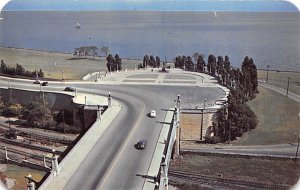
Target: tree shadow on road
(145, 176)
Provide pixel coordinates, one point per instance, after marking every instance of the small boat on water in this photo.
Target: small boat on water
(215, 13)
(78, 25)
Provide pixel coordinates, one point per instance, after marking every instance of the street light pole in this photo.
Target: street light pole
(178, 103)
(297, 148)
(42, 93)
(201, 129)
(267, 74)
(229, 133)
(9, 123)
(287, 88)
(62, 76)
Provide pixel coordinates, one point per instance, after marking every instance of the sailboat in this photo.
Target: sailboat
(78, 25)
(215, 13)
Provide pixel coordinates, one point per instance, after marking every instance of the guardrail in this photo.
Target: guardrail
(24, 162)
(30, 146)
(163, 152)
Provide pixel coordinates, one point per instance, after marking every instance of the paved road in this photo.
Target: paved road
(114, 163)
(282, 91)
(129, 165)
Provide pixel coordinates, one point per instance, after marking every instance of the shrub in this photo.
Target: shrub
(12, 110)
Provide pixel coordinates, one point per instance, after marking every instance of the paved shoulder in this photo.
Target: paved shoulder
(291, 95)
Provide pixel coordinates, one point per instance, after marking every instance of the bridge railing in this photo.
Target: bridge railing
(163, 152)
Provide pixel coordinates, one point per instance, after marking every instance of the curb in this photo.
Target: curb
(87, 142)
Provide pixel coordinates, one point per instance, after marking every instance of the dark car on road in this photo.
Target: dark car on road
(141, 144)
(69, 89)
(45, 84)
(36, 82)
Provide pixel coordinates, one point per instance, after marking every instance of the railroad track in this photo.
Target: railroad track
(25, 154)
(39, 136)
(221, 182)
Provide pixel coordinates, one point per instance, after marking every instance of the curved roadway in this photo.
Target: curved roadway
(125, 166)
(114, 163)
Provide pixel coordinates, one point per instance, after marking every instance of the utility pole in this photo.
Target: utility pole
(287, 88)
(267, 74)
(9, 123)
(42, 93)
(62, 76)
(229, 133)
(201, 128)
(63, 115)
(109, 100)
(176, 124)
(297, 148)
(178, 103)
(10, 100)
(6, 155)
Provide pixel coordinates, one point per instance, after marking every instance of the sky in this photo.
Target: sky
(151, 5)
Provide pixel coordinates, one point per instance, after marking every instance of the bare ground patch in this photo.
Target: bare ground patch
(281, 172)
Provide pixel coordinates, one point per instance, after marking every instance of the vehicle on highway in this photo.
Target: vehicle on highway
(37, 82)
(141, 144)
(45, 84)
(152, 113)
(69, 89)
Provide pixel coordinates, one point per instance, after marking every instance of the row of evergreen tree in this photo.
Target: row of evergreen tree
(19, 70)
(150, 61)
(114, 63)
(236, 118)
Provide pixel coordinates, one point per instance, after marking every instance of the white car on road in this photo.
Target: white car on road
(152, 113)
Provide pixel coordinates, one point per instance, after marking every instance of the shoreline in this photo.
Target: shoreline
(157, 10)
(103, 57)
(54, 63)
(62, 53)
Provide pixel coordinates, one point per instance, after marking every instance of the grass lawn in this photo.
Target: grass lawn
(275, 77)
(278, 118)
(74, 68)
(257, 170)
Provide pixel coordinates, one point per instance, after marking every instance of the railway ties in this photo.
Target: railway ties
(222, 182)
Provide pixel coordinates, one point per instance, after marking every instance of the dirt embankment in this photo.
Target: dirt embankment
(213, 172)
(8, 182)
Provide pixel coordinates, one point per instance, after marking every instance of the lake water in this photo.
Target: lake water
(269, 38)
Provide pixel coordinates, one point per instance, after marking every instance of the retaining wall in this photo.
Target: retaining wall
(27, 164)
(54, 100)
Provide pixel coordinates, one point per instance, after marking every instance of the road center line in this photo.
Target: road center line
(106, 174)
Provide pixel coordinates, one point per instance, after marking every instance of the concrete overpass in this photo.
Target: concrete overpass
(111, 161)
